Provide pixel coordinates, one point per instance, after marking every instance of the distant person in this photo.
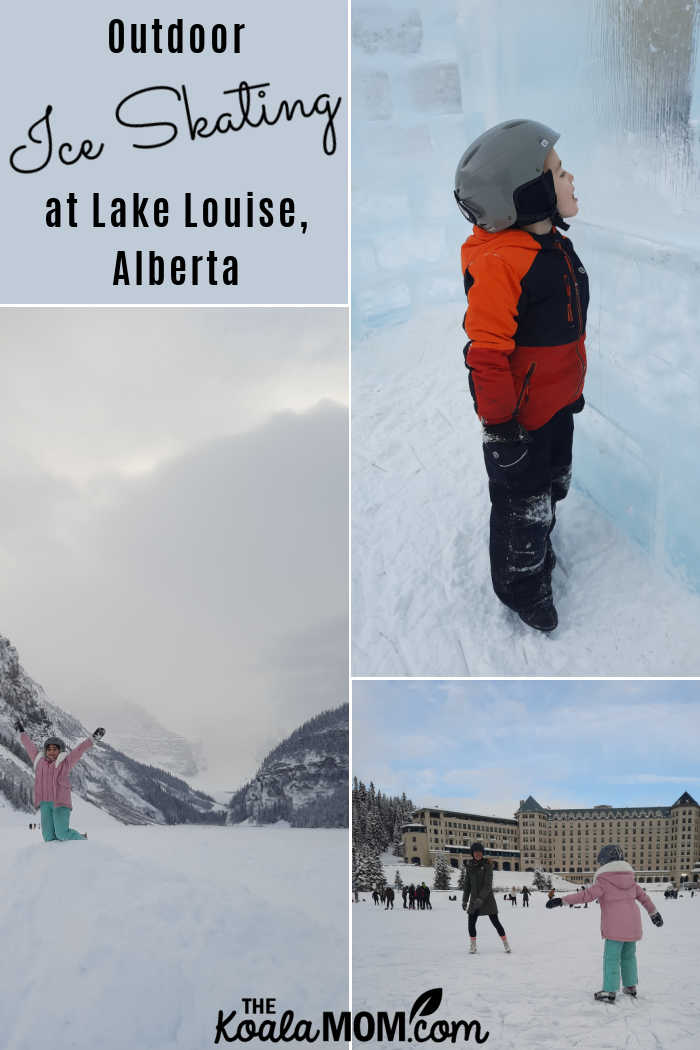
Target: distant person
(477, 896)
(527, 294)
(389, 898)
(375, 895)
(411, 897)
(617, 893)
(52, 794)
(404, 894)
(427, 897)
(526, 897)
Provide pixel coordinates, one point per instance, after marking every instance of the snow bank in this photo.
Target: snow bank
(139, 936)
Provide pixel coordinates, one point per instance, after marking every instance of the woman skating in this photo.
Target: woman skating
(477, 896)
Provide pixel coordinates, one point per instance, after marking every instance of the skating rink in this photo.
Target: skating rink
(540, 997)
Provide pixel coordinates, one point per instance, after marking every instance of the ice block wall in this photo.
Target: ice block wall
(619, 79)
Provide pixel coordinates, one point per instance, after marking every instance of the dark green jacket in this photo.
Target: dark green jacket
(478, 886)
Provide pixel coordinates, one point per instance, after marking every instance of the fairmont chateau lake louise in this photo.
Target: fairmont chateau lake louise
(662, 843)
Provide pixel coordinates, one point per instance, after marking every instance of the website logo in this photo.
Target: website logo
(259, 1020)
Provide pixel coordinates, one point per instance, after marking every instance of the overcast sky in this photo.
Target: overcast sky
(481, 746)
(174, 526)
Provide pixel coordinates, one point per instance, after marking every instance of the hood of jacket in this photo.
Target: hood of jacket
(617, 873)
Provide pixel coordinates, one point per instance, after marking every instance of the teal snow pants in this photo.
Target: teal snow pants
(619, 957)
(55, 821)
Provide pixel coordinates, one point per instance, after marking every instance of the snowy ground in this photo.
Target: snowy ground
(540, 997)
(422, 597)
(139, 936)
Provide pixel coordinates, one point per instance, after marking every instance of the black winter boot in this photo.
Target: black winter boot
(604, 997)
(542, 616)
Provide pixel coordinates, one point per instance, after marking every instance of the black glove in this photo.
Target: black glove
(656, 919)
(18, 726)
(98, 734)
(555, 902)
(506, 447)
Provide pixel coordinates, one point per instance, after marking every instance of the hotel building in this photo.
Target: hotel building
(662, 843)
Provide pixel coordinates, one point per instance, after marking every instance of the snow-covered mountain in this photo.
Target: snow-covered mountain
(138, 734)
(303, 780)
(129, 790)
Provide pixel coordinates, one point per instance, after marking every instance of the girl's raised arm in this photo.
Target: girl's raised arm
(28, 744)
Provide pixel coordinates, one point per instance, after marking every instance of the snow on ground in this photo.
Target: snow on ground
(422, 597)
(541, 995)
(140, 935)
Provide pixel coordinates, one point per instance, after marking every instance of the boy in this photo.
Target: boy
(526, 323)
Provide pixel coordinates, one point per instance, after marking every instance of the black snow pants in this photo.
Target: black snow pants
(471, 925)
(523, 513)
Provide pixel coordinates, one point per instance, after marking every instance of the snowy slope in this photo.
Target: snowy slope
(139, 936)
(138, 734)
(422, 597)
(304, 779)
(541, 996)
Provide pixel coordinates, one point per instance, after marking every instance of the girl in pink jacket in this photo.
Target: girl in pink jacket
(617, 893)
(52, 795)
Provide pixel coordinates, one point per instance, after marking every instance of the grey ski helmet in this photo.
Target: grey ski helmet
(501, 181)
(610, 853)
(56, 741)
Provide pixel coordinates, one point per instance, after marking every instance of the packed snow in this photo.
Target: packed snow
(541, 995)
(422, 597)
(140, 935)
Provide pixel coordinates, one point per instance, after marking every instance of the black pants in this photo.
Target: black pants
(471, 925)
(523, 514)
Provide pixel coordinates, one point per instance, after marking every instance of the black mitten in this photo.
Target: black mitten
(99, 733)
(656, 919)
(18, 726)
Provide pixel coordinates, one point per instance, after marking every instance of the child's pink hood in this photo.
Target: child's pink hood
(617, 892)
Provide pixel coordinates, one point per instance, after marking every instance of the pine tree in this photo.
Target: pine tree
(376, 871)
(541, 881)
(443, 875)
(398, 882)
(462, 877)
(397, 843)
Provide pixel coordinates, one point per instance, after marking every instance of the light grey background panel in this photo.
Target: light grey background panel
(59, 56)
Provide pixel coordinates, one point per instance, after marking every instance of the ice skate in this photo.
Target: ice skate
(631, 990)
(604, 997)
(472, 946)
(506, 946)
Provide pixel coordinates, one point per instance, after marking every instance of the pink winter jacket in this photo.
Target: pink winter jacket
(52, 779)
(617, 893)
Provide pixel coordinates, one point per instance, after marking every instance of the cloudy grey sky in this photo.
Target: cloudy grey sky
(174, 527)
(481, 746)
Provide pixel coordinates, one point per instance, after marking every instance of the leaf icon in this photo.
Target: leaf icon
(426, 1003)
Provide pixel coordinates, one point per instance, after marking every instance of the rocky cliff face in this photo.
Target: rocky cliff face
(129, 790)
(304, 780)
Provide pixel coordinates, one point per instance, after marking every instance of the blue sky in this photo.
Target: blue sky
(481, 746)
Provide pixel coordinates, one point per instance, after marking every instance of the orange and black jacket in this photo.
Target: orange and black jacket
(527, 299)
